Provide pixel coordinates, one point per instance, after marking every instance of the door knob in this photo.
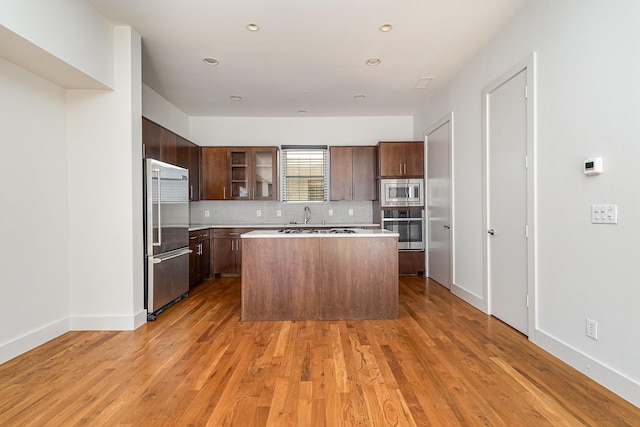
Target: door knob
(491, 231)
(447, 226)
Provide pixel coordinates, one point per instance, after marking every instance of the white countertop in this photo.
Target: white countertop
(196, 227)
(359, 232)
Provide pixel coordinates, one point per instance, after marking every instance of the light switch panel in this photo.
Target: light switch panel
(604, 214)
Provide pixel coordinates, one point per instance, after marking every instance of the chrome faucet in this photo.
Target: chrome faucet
(307, 214)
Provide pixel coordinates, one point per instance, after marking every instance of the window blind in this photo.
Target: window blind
(304, 173)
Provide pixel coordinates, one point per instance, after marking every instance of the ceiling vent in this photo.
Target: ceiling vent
(423, 82)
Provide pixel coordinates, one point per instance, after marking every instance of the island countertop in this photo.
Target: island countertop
(325, 232)
(319, 275)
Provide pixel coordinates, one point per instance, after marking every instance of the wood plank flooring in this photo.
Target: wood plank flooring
(443, 363)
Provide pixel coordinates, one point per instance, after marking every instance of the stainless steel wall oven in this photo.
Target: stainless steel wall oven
(409, 223)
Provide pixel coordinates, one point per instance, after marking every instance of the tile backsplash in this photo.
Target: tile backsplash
(243, 212)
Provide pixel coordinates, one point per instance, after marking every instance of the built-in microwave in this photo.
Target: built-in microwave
(401, 192)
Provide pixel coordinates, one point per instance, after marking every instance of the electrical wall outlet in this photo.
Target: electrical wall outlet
(278, 212)
(330, 212)
(350, 212)
(206, 214)
(258, 212)
(592, 329)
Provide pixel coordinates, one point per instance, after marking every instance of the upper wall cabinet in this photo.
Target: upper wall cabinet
(214, 173)
(253, 173)
(401, 159)
(164, 145)
(239, 173)
(353, 173)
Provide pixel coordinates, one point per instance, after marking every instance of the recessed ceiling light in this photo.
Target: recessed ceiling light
(423, 82)
(253, 27)
(210, 61)
(235, 98)
(373, 61)
(358, 97)
(302, 112)
(385, 28)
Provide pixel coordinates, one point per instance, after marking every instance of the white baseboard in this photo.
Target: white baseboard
(467, 296)
(621, 385)
(107, 323)
(20, 345)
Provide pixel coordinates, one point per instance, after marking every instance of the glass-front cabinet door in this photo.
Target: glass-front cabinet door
(253, 173)
(239, 170)
(265, 173)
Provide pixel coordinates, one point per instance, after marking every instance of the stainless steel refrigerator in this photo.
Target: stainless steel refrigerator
(166, 213)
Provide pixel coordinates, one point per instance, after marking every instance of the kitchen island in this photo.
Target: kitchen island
(319, 274)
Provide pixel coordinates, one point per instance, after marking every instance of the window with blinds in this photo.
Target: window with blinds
(304, 173)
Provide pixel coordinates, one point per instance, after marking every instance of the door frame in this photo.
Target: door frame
(448, 118)
(528, 64)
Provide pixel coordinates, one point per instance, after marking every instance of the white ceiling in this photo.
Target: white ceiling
(308, 54)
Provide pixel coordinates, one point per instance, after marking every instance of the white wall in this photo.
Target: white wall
(72, 167)
(162, 112)
(66, 41)
(105, 197)
(588, 96)
(276, 131)
(34, 255)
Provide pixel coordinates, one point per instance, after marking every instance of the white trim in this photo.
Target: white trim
(528, 64)
(606, 376)
(33, 339)
(469, 297)
(107, 323)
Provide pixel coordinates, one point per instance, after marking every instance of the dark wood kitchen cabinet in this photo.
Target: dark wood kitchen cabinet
(252, 173)
(403, 159)
(239, 173)
(200, 256)
(188, 156)
(227, 251)
(213, 173)
(411, 262)
(353, 173)
(151, 139)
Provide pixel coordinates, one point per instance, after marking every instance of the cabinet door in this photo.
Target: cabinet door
(204, 266)
(341, 174)
(214, 173)
(182, 152)
(224, 256)
(168, 147)
(193, 258)
(391, 158)
(364, 160)
(414, 158)
(151, 139)
(264, 173)
(239, 164)
(194, 172)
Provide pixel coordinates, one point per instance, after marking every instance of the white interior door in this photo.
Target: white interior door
(506, 192)
(439, 202)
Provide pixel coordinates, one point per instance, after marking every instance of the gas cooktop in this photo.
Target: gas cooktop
(314, 230)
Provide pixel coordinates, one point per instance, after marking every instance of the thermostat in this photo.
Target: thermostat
(593, 166)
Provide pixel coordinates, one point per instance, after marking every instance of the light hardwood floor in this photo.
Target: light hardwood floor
(442, 363)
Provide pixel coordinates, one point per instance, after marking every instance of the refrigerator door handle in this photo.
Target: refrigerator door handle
(159, 242)
(158, 259)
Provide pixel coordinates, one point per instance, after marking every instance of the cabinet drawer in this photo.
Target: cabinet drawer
(229, 233)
